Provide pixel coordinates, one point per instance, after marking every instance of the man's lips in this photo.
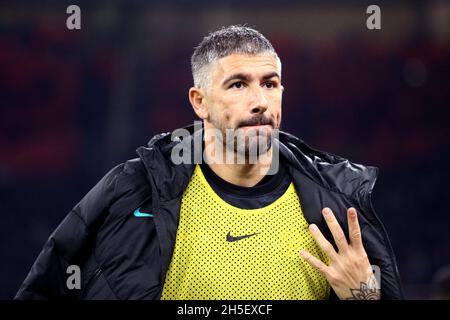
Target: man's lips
(265, 129)
(258, 126)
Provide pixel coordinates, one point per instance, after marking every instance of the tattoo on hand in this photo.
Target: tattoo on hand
(366, 291)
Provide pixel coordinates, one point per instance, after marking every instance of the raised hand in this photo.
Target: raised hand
(349, 273)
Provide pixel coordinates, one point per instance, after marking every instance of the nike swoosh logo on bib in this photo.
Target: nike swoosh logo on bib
(231, 238)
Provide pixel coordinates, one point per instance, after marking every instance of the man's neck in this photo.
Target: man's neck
(244, 175)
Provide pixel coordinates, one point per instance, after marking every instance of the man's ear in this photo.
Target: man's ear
(198, 101)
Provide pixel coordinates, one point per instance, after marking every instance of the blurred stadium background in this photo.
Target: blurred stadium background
(75, 103)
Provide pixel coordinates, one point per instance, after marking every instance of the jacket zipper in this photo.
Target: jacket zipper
(389, 247)
(91, 281)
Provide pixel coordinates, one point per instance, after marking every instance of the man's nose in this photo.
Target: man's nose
(260, 103)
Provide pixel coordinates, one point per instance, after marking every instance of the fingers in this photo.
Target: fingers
(323, 243)
(336, 230)
(314, 262)
(353, 229)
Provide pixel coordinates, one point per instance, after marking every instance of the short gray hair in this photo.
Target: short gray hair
(224, 42)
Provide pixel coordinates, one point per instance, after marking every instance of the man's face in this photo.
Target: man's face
(245, 94)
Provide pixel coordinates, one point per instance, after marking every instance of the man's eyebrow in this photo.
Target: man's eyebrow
(271, 75)
(236, 76)
(247, 77)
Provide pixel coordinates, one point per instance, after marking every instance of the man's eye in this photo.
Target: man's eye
(269, 85)
(237, 85)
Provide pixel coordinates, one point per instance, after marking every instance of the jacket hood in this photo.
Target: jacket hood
(328, 170)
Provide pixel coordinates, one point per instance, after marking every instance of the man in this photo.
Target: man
(294, 223)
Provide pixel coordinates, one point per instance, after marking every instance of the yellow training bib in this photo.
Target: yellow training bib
(224, 252)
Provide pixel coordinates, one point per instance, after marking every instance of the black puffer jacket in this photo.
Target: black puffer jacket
(122, 256)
